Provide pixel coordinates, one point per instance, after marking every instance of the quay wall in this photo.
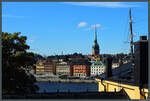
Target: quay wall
(65, 80)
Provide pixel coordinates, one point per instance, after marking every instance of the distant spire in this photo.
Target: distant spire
(95, 34)
(95, 47)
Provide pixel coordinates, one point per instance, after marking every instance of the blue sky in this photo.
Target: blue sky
(53, 27)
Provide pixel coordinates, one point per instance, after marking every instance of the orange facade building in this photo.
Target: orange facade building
(81, 70)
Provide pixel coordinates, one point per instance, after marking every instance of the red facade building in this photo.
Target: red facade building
(80, 69)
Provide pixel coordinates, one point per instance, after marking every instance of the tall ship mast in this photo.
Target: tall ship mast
(131, 37)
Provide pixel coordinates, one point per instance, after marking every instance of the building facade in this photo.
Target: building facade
(97, 68)
(62, 68)
(81, 69)
(45, 67)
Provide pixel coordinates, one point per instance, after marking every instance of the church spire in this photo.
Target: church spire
(95, 34)
(95, 47)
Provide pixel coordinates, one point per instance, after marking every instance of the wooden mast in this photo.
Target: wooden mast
(131, 41)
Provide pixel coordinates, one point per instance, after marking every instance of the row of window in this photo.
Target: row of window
(79, 69)
(98, 67)
(76, 74)
(97, 72)
(80, 66)
(62, 71)
(62, 68)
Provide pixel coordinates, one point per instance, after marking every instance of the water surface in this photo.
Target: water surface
(65, 87)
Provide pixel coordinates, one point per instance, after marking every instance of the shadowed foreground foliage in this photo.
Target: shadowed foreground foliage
(16, 63)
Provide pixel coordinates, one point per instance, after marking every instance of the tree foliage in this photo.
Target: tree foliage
(15, 63)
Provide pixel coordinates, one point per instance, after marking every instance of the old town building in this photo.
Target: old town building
(62, 68)
(80, 68)
(97, 68)
(45, 67)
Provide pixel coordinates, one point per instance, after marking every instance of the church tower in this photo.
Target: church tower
(95, 47)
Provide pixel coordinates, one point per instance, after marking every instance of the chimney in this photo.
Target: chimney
(143, 37)
(141, 61)
(108, 63)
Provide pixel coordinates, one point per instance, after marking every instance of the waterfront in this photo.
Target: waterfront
(65, 87)
(66, 80)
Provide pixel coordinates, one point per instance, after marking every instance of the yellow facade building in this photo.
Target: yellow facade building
(45, 67)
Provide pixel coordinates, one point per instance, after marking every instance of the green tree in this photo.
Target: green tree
(16, 61)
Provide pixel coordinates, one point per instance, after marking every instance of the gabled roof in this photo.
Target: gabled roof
(98, 63)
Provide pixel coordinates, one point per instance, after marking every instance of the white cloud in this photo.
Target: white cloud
(82, 24)
(104, 4)
(96, 25)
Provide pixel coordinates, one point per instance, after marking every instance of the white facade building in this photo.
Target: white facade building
(97, 68)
